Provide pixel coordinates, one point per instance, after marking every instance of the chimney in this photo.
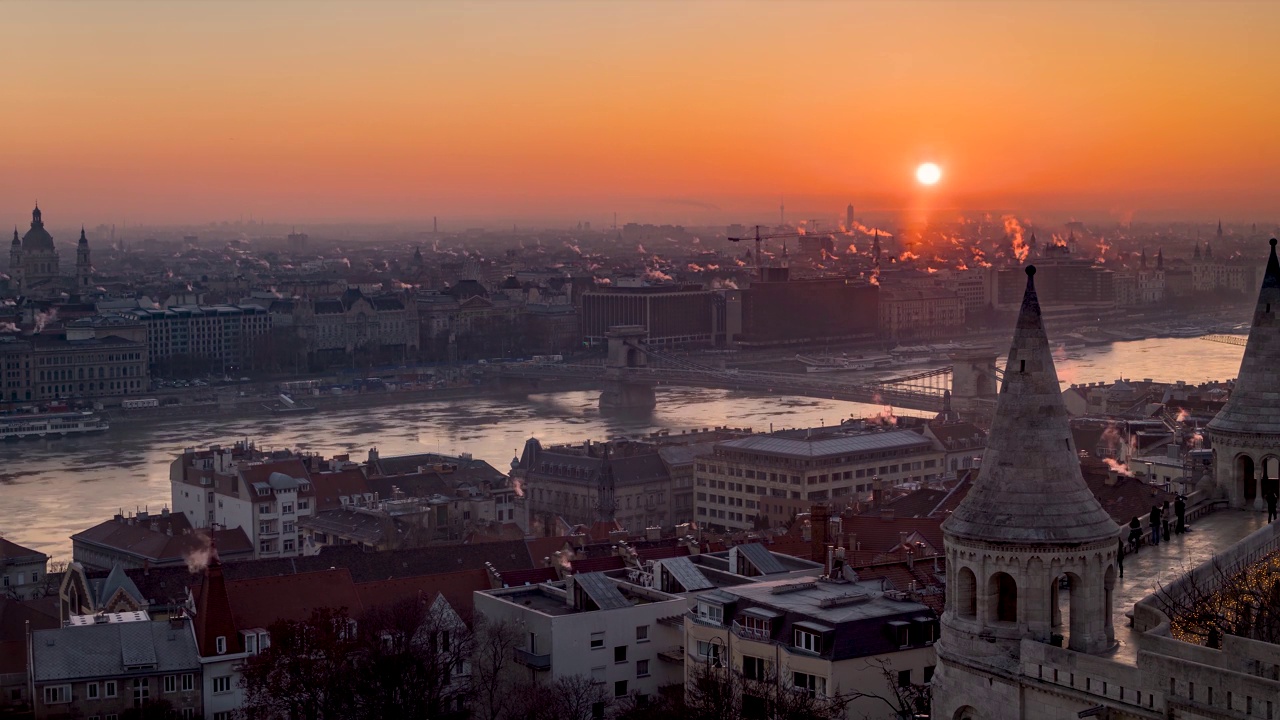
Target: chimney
(569, 593)
(1112, 477)
(818, 533)
(902, 537)
(829, 559)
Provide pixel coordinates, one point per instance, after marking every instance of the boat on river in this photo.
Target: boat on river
(23, 426)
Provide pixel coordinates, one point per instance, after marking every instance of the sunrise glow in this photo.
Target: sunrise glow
(928, 174)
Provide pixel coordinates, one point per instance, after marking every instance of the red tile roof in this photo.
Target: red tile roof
(163, 539)
(515, 578)
(213, 613)
(330, 487)
(545, 547)
(258, 602)
(456, 587)
(662, 552)
(600, 564)
(11, 551)
(293, 467)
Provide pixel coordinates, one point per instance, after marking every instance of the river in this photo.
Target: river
(53, 489)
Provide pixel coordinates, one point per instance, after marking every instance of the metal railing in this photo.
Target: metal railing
(531, 660)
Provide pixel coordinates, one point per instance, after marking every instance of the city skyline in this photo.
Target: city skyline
(701, 113)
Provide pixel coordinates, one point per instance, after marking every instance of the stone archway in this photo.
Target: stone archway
(1270, 474)
(966, 713)
(1074, 623)
(1245, 474)
(966, 594)
(1002, 598)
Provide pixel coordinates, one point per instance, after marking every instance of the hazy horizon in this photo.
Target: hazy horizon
(694, 113)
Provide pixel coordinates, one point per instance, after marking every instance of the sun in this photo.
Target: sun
(928, 174)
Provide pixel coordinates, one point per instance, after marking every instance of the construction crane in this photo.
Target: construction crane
(759, 240)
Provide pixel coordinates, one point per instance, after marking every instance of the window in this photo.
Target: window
(597, 674)
(170, 683)
(904, 678)
(57, 694)
(91, 691)
(620, 689)
(753, 668)
(188, 713)
(806, 640)
(288, 545)
(597, 640)
(264, 508)
(811, 685)
(714, 613)
(928, 674)
(304, 504)
(642, 668)
(709, 652)
(188, 682)
(286, 508)
(224, 715)
(112, 716)
(289, 527)
(221, 645)
(141, 690)
(642, 633)
(109, 688)
(222, 684)
(620, 654)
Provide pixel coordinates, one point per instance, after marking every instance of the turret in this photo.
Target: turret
(1029, 525)
(84, 269)
(15, 262)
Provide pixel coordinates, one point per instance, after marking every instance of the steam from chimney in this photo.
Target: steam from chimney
(198, 558)
(44, 318)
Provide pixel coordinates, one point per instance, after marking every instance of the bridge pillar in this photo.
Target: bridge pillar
(973, 382)
(624, 391)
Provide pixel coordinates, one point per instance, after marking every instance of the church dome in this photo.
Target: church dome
(1254, 404)
(1029, 489)
(37, 238)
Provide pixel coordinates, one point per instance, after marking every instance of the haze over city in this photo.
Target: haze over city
(617, 360)
(696, 113)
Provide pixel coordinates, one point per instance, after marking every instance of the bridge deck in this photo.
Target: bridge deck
(880, 393)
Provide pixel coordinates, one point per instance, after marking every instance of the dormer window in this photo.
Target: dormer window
(711, 612)
(220, 645)
(808, 641)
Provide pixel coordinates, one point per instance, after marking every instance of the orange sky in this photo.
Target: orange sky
(700, 111)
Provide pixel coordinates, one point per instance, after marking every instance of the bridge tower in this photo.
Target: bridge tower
(623, 390)
(974, 385)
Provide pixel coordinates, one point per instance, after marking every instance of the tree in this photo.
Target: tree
(306, 673)
(571, 697)
(413, 661)
(1242, 599)
(492, 672)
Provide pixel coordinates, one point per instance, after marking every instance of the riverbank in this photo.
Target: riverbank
(261, 406)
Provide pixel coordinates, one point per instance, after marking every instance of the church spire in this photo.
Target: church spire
(1251, 407)
(1030, 489)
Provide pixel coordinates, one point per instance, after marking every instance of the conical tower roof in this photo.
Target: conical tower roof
(1254, 405)
(1029, 489)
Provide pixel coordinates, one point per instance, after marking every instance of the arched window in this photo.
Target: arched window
(1002, 598)
(966, 594)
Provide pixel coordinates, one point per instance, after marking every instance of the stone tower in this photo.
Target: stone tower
(1246, 432)
(1029, 523)
(15, 262)
(84, 269)
(39, 257)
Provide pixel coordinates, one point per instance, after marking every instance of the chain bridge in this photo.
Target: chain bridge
(632, 370)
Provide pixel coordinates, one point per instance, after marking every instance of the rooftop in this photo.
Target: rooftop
(827, 443)
(112, 649)
(847, 601)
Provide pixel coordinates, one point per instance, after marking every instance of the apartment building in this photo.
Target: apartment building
(22, 571)
(762, 479)
(100, 666)
(221, 333)
(235, 487)
(823, 636)
(621, 635)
